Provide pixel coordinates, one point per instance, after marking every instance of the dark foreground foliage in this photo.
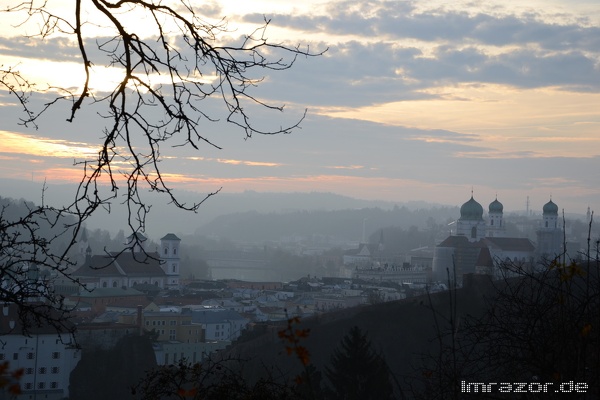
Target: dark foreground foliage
(541, 329)
(357, 371)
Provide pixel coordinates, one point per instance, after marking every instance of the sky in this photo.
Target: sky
(413, 100)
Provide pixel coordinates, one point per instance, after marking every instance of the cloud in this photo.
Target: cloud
(386, 51)
(247, 163)
(346, 167)
(18, 143)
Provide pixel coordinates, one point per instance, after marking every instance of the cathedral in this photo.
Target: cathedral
(480, 245)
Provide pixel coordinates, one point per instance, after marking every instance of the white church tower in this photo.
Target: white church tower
(549, 235)
(471, 223)
(495, 227)
(169, 255)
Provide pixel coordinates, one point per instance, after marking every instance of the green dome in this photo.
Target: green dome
(471, 210)
(496, 207)
(550, 208)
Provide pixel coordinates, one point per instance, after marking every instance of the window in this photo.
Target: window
(42, 370)
(30, 356)
(172, 336)
(474, 232)
(1, 356)
(173, 322)
(104, 284)
(55, 370)
(15, 356)
(492, 222)
(53, 385)
(41, 385)
(147, 323)
(56, 355)
(166, 251)
(175, 250)
(28, 386)
(114, 283)
(28, 371)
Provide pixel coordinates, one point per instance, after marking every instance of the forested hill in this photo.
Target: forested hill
(346, 225)
(44, 224)
(165, 217)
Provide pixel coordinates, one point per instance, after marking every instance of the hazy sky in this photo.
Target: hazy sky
(414, 100)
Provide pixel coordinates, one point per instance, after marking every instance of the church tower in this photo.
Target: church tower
(495, 227)
(549, 235)
(83, 242)
(170, 259)
(471, 223)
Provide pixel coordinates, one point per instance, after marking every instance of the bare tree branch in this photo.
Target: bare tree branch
(166, 67)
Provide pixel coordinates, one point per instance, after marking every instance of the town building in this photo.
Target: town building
(176, 338)
(100, 298)
(374, 262)
(46, 356)
(133, 266)
(219, 324)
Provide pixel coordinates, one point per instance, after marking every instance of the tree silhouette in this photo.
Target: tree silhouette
(211, 380)
(540, 328)
(356, 371)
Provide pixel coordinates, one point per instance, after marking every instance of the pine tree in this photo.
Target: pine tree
(358, 372)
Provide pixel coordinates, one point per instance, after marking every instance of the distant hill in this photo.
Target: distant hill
(328, 226)
(164, 217)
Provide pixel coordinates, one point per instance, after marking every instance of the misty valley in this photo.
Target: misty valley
(305, 304)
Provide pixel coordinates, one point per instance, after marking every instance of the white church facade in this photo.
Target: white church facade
(133, 266)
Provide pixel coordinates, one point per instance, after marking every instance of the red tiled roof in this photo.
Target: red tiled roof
(510, 244)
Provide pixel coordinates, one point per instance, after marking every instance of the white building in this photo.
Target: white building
(46, 357)
(133, 267)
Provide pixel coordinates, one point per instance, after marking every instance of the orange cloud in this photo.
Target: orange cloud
(350, 167)
(19, 143)
(242, 162)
